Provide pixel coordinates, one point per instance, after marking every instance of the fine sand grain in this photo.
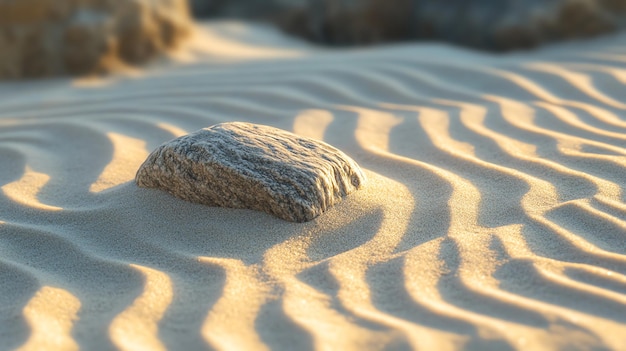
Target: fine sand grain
(494, 217)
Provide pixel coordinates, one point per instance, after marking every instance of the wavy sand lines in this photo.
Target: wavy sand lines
(24, 190)
(136, 328)
(51, 314)
(127, 154)
(230, 323)
(494, 218)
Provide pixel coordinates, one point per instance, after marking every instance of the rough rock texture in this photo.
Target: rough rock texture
(243, 165)
(486, 24)
(56, 37)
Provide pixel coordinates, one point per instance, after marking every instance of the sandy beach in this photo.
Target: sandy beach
(494, 217)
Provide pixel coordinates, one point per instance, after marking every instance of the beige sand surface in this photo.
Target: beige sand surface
(494, 219)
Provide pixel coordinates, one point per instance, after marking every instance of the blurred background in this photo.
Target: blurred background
(497, 25)
(74, 37)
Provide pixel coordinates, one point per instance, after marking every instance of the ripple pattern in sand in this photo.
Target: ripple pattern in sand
(495, 217)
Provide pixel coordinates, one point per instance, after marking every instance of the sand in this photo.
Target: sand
(494, 217)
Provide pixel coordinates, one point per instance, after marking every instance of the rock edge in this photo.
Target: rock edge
(257, 167)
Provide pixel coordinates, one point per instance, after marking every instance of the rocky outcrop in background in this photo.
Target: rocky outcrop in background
(497, 25)
(45, 38)
(244, 8)
(41, 38)
(485, 24)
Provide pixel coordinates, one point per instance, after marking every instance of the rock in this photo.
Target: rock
(243, 165)
(496, 25)
(348, 22)
(44, 38)
(250, 9)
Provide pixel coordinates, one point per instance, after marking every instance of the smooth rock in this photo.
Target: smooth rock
(243, 165)
(47, 38)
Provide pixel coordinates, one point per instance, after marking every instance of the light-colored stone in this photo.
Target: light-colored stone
(56, 37)
(243, 165)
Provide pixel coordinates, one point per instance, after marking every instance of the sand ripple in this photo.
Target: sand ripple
(495, 217)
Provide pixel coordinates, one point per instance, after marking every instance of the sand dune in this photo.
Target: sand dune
(495, 215)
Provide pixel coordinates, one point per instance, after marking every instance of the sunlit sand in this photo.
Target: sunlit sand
(494, 217)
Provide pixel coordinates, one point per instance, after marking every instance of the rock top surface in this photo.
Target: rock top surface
(243, 165)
